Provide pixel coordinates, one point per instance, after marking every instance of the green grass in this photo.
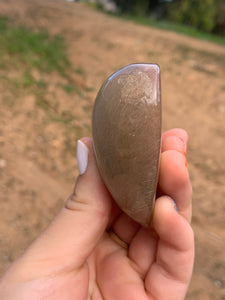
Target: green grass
(28, 81)
(95, 5)
(202, 55)
(79, 71)
(166, 25)
(32, 49)
(35, 63)
(170, 26)
(42, 102)
(66, 117)
(27, 59)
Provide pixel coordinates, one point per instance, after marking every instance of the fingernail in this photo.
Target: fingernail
(181, 146)
(185, 158)
(175, 143)
(174, 203)
(82, 157)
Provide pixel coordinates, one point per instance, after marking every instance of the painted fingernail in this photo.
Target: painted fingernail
(185, 158)
(82, 157)
(173, 202)
(174, 143)
(181, 146)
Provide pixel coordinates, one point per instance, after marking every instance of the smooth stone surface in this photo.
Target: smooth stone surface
(127, 136)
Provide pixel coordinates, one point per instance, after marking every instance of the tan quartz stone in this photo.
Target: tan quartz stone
(127, 135)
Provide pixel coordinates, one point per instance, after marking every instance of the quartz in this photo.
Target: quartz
(126, 128)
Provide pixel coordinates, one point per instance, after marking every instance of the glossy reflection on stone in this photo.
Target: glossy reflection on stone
(127, 134)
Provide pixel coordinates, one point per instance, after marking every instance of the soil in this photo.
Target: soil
(38, 153)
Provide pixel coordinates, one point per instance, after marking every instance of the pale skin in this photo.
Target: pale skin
(77, 257)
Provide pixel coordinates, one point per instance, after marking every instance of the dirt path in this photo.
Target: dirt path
(37, 157)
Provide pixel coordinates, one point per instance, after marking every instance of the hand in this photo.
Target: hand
(92, 250)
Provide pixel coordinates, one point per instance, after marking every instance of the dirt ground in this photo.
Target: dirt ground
(37, 154)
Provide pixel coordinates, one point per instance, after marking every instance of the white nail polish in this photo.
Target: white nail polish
(174, 203)
(82, 157)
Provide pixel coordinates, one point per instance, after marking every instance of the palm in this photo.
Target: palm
(117, 275)
(141, 270)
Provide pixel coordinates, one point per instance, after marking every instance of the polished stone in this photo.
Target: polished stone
(127, 135)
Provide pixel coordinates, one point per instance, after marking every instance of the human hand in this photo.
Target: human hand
(92, 250)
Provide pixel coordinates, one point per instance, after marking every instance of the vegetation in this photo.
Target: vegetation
(208, 15)
(202, 15)
(172, 26)
(31, 56)
(34, 68)
(34, 50)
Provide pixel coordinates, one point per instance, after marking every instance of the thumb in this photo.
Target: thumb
(74, 233)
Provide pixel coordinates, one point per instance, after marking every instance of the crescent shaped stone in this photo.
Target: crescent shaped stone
(127, 136)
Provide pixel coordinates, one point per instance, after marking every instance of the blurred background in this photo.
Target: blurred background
(54, 56)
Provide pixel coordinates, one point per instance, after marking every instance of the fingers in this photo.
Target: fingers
(173, 181)
(142, 250)
(174, 139)
(173, 263)
(173, 173)
(74, 233)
